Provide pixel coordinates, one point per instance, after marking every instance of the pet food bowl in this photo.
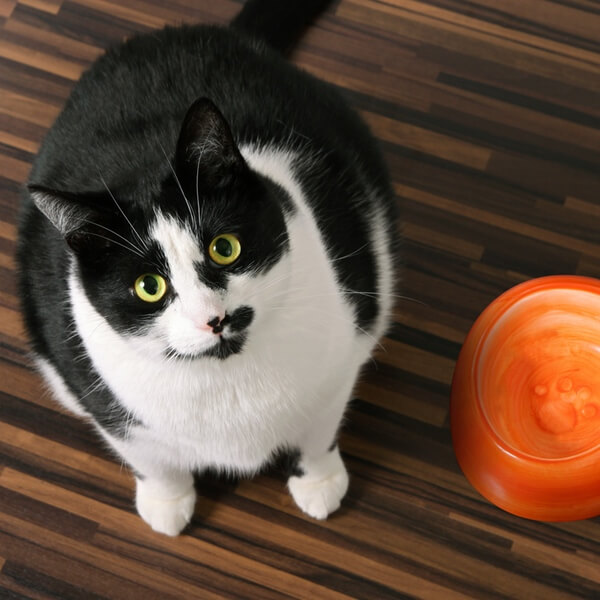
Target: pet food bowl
(525, 403)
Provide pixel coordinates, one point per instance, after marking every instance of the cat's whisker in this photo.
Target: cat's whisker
(187, 202)
(135, 232)
(201, 149)
(293, 131)
(332, 315)
(384, 295)
(81, 357)
(109, 230)
(200, 216)
(72, 335)
(128, 248)
(262, 287)
(351, 254)
(130, 423)
(94, 387)
(84, 353)
(344, 291)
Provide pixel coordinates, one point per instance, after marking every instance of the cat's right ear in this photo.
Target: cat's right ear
(75, 216)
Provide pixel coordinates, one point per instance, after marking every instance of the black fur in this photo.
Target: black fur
(132, 121)
(278, 23)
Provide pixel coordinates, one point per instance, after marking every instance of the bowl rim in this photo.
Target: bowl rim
(517, 294)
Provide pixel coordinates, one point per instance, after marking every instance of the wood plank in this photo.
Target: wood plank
(414, 13)
(6, 8)
(49, 6)
(589, 208)
(28, 109)
(59, 43)
(442, 241)
(429, 142)
(13, 169)
(65, 455)
(39, 60)
(521, 544)
(561, 17)
(11, 322)
(499, 221)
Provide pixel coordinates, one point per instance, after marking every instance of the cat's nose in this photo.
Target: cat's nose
(217, 324)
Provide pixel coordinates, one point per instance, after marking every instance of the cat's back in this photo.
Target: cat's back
(125, 113)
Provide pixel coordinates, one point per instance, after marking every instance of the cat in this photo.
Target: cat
(206, 258)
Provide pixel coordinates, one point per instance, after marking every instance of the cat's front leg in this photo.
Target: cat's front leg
(320, 480)
(165, 496)
(321, 484)
(167, 502)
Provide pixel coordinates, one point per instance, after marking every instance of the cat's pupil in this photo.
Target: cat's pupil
(150, 285)
(223, 247)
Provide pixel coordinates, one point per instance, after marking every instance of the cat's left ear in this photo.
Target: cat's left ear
(64, 210)
(206, 149)
(79, 218)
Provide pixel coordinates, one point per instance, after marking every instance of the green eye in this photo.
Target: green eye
(150, 287)
(225, 249)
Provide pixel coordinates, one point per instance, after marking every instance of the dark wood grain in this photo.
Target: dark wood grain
(488, 113)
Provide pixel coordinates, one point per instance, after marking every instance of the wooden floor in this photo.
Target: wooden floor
(488, 112)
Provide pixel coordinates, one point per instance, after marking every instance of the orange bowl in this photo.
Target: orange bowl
(525, 401)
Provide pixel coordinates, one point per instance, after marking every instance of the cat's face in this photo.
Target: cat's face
(191, 272)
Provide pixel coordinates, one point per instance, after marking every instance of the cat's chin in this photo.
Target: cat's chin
(222, 349)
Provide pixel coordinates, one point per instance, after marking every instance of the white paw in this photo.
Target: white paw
(168, 516)
(319, 498)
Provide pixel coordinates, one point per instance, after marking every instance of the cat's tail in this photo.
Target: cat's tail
(278, 22)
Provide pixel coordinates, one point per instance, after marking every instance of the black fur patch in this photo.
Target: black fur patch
(239, 319)
(287, 462)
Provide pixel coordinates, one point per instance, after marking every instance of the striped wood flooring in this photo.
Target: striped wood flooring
(488, 112)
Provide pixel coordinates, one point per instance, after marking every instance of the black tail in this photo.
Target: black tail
(278, 22)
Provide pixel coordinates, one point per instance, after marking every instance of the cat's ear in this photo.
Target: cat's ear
(62, 210)
(76, 216)
(206, 149)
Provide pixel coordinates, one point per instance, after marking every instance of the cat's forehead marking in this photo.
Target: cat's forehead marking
(180, 246)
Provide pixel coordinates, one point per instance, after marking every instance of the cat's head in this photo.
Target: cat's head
(191, 271)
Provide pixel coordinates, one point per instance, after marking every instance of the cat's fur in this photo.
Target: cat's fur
(139, 173)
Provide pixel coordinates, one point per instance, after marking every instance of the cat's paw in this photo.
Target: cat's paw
(168, 516)
(319, 496)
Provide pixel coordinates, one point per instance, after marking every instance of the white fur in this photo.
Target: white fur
(59, 388)
(289, 386)
(166, 504)
(385, 271)
(319, 491)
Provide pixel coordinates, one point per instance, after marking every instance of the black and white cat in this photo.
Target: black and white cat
(206, 258)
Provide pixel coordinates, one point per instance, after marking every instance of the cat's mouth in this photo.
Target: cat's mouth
(224, 348)
(232, 333)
